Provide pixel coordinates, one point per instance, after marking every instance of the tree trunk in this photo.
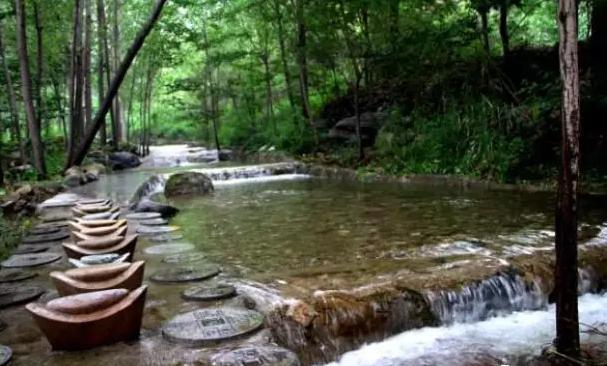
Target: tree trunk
(60, 111)
(76, 82)
(116, 82)
(101, 67)
(130, 108)
(566, 271)
(39, 66)
(485, 31)
(106, 60)
(504, 35)
(302, 61)
(265, 58)
(394, 22)
(88, 75)
(116, 62)
(26, 90)
(283, 54)
(16, 130)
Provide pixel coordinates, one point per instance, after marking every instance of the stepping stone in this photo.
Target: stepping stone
(45, 238)
(51, 219)
(30, 248)
(169, 248)
(6, 354)
(93, 201)
(54, 225)
(165, 237)
(183, 258)
(186, 274)
(204, 326)
(102, 216)
(42, 230)
(154, 222)
(30, 260)
(15, 275)
(258, 356)
(150, 230)
(208, 293)
(18, 295)
(143, 216)
(93, 260)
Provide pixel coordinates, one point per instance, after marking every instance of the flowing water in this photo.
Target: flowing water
(281, 234)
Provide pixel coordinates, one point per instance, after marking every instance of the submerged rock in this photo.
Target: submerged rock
(147, 205)
(123, 160)
(188, 183)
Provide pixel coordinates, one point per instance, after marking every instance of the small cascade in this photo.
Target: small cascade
(154, 184)
(253, 171)
(502, 293)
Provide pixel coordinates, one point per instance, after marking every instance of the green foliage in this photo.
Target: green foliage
(10, 235)
(466, 141)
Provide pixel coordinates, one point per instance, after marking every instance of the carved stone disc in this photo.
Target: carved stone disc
(15, 275)
(186, 274)
(208, 293)
(258, 356)
(30, 260)
(45, 238)
(13, 295)
(150, 230)
(204, 326)
(184, 258)
(143, 216)
(172, 248)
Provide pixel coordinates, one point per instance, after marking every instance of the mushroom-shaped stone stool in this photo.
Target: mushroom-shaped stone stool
(97, 278)
(127, 245)
(90, 320)
(98, 230)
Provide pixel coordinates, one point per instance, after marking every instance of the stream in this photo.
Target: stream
(282, 235)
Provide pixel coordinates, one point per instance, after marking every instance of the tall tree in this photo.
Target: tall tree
(39, 64)
(26, 90)
(86, 61)
(105, 59)
(566, 281)
(283, 53)
(115, 64)
(302, 60)
(115, 84)
(12, 97)
(76, 81)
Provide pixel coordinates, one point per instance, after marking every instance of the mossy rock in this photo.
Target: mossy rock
(188, 183)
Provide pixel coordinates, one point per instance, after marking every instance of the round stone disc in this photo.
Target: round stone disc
(186, 274)
(18, 295)
(208, 293)
(156, 229)
(53, 225)
(183, 258)
(45, 238)
(172, 248)
(30, 260)
(15, 275)
(143, 216)
(258, 356)
(204, 326)
(165, 237)
(5, 355)
(54, 218)
(30, 248)
(41, 230)
(154, 222)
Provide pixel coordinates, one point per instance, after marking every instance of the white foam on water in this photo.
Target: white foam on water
(262, 179)
(522, 333)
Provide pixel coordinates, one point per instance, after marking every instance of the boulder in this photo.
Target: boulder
(74, 177)
(225, 155)
(370, 123)
(147, 205)
(123, 160)
(188, 183)
(94, 168)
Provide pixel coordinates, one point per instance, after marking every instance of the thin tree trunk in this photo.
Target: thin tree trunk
(26, 89)
(269, 95)
(88, 75)
(16, 130)
(39, 66)
(116, 82)
(60, 111)
(485, 31)
(302, 61)
(130, 108)
(115, 64)
(566, 271)
(106, 59)
(76, 82)
(101, 67)
(505, 36)
(283, 54)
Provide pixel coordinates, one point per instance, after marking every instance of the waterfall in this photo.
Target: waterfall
(502, 293)
(154, 184)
